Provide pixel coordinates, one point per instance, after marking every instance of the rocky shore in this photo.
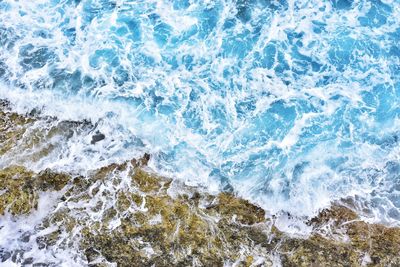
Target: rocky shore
(125, 214)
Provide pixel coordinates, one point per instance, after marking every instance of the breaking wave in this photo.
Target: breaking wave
(291, 104)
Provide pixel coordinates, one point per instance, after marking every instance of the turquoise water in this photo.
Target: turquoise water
(291, 104)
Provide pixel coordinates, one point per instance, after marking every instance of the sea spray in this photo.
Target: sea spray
(294, 103)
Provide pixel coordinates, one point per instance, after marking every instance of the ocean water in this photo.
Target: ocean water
(290, 104)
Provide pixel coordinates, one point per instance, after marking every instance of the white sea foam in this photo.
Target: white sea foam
(292, 104)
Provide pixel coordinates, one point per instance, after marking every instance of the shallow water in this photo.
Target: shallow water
(291, 104)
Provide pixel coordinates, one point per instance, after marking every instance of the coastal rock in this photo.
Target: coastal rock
(12, 127)
(126, 215)
(97, 137)
(145, 226)
(18, 194)
(20, 187)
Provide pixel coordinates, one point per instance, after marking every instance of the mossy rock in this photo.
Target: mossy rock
(362, 243)
(317, 251)
(187, 232)
(18, 191)
(178, 230)
(20, 188)
(12, 128)
(239, 209)
(145, 181)
(48, 180)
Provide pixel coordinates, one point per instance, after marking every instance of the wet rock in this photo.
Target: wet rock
(25, 237)
(17, 255)
(48, 180)
(347, 242)
(157, 229)
(18, 196)
(242, 210)
(27, 261)
(38, 135)
(41, 264)
(98, 136)
(227, 229)
(48, 239)
(177, 230)
(144, 160)
(20, 188)
(145, 181)
(12, 128)
(4, 255)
